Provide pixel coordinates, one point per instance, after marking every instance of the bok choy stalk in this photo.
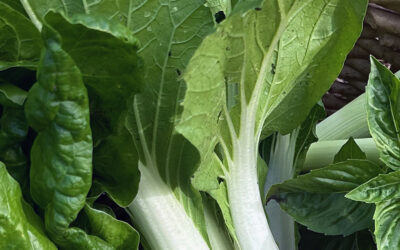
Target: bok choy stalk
(281, 168)
(255, 75)
(286, 157)
(167, 209)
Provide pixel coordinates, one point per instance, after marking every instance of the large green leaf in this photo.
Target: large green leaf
(387, 224)
(169, 35)
(383, 112)
(20, 43)
(262, 71)
(106, 54)
(20, 227)
(317, 199)
(381, 188)
(330, 213)
(61, 157)
(339, 177)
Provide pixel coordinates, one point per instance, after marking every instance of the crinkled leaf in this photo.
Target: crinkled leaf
(383, 112)
(381, 188)
(20, 43)
(105, 53)
(387, 224)
(61, 157)
(20, 227)
(350, 150)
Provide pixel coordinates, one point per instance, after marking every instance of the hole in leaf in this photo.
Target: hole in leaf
(219, 16)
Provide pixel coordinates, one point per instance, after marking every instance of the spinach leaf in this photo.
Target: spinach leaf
(20, 227)
(61, 157)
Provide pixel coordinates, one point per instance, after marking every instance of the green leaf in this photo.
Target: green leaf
(383, 112)
(117, 233)
(61, 157)
(169, 35)
(350, 150)
(20, 42)
(317, 200)
(11, 96)
(262, 71)
(330, 213)
(339, 177)
(307, 134)
(13, 131)
(106, 54)
(387, 225)
(20, 227)
(381, 188)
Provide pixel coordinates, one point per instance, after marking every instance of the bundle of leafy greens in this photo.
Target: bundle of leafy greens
(199, 118)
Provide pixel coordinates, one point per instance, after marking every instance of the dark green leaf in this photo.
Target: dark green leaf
(61, 157)
(105, 53)
(361, 240)
(11, 96)
(339, 177)
(329, 213)
(349, 150)
(20, 42)
(317, 200)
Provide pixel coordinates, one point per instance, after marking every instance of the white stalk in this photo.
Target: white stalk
(161, 218)
(281, 168)
(245, 201)
(351, 120)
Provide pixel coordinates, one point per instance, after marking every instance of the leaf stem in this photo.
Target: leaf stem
(31, 14)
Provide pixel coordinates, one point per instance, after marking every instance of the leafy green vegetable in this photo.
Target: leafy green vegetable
(61, 166)
(381, 188)
(383, 113)
(88, 40)
(117, 233)
(387, 226)
(21, 41)
(317, 199)
(20, 227)
(350, 150)
(262, 71)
